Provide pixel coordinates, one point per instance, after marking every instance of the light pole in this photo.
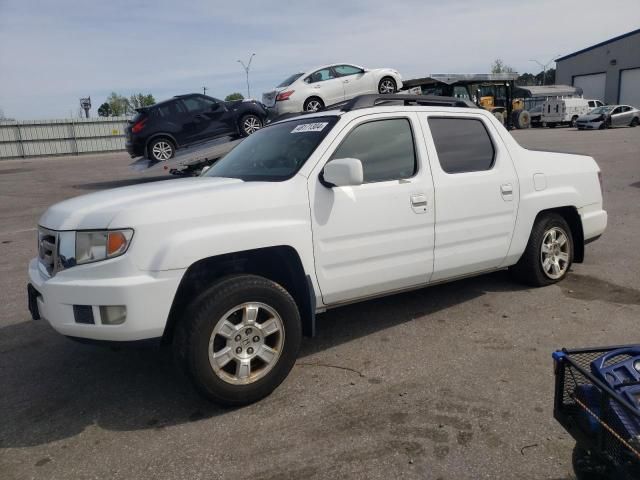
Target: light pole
(246, 70)
(544, 66)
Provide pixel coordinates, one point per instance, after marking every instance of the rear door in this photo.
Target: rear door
(327, 85)
(376, 237)
(476, 194)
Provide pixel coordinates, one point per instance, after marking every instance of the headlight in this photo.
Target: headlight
(77, 248)
(94, 246)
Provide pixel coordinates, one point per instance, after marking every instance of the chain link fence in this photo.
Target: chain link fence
(36, 138)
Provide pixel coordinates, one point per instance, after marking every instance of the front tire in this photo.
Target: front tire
(161, 149)
(249, 124)
(387, 85)
(239, 339)
(549, 252)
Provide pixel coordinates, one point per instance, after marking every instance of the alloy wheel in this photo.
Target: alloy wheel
(246, 343)
(251, 124)
(387, 86)
(554, 253)
(162, 150)
(313, 106)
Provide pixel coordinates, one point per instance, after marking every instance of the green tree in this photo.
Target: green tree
(499, 66)
(139, 100)
(104, 110)
(119, 105)
(233, 96)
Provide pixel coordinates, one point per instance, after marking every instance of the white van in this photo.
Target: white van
(565, 111)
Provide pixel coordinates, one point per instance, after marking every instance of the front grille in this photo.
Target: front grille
(48, 249)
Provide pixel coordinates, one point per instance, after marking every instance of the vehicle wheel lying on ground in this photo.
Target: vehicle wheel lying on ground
(250, 124)
(239, 339)
(313, 104)
(387, 85)
(303, 216)
(161, 149)
(549, 252)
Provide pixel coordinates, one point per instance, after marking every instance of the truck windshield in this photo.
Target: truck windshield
(274, 153)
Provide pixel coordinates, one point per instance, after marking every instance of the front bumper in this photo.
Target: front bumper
(147, 297)
(589, 125)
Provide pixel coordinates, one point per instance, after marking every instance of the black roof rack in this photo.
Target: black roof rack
(372, 100)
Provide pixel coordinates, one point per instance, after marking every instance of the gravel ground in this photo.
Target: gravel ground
(448, 382)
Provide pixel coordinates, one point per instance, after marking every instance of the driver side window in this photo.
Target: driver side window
(345, 70)
(198, 104)
(385, 148)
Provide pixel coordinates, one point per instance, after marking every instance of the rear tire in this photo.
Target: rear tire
(313, 104)
(161, 149)
(634, 122)
(549, 252)
(574, 121)
(239, 339)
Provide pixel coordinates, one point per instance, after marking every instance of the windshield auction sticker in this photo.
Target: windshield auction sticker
(310, 127)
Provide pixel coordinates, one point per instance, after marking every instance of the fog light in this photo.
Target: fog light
(113, 314)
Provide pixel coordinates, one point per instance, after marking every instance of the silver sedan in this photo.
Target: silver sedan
(609, 116)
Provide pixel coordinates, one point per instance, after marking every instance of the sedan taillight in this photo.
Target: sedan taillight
(284, 95)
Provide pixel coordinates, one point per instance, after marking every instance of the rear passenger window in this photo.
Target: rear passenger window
(463, 144)
(385, 148)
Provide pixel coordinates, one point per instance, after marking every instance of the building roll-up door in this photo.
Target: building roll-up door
(592, 85)
(630, 87)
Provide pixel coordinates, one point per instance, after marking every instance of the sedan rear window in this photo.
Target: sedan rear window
(274, 153)
(290, 80)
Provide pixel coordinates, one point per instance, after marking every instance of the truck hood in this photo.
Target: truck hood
(98, 210)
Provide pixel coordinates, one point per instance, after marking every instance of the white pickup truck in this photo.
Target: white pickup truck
(387, 194)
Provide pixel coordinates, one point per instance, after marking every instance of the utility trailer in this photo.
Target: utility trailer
(191, 160)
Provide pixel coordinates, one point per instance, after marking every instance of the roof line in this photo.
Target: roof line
(614, 39)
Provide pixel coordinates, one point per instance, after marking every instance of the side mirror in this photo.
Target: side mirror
(343, 172)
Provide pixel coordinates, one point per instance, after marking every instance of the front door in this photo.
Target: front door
(621, 116)
(376, 237)
(203, 119)
(476, 194)
(353, 80)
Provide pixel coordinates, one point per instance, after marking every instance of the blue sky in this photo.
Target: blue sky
(53, 52)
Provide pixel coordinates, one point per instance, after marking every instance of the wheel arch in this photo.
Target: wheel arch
(314, 95)
(155, 136)
(572, 217)
(281, 264)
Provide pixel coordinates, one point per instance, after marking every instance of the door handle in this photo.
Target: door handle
(419, 200)
(506, 190)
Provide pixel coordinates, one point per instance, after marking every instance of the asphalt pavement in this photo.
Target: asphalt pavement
(449, 382)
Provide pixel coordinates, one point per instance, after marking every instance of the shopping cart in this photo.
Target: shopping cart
(597, 400)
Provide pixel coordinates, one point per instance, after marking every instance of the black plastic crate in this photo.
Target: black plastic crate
(591, 412)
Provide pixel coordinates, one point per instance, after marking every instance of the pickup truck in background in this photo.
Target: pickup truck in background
(389, 193)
